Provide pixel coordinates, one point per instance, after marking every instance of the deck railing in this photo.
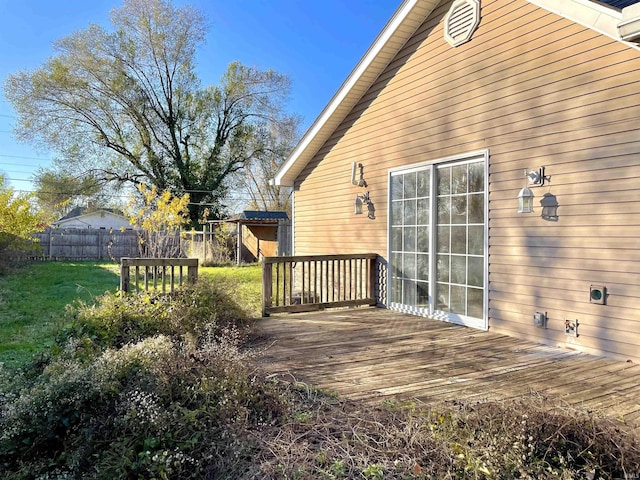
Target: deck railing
(157, 274)
(306, 283)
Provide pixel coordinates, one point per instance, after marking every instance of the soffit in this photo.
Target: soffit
(595, 15)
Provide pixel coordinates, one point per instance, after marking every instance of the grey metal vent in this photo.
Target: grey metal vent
(461, 21)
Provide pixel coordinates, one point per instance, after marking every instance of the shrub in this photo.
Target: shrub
(531, 438)
(534, 438)
(157, 218)
(201, 309)
(18, 222)
(149, 386)
(158, 408)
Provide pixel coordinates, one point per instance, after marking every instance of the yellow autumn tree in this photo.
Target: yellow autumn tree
(158, 218)
(18, 221)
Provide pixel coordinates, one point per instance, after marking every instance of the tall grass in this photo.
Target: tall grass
(141, 386)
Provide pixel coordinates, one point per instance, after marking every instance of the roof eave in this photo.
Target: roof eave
(629, 28)
(402, 25)
(597, 16)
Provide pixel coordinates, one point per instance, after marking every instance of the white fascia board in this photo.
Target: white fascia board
(356, 84)
(596, 16)
(629, 28)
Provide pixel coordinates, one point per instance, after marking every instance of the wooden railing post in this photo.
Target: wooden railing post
(192, 273)
(373, 279)
(267, 286)
(124, 275)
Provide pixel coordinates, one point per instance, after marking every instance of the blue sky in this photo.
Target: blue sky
(316, 43)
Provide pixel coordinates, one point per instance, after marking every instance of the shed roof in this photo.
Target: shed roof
(262, 215)
(603, 17)
(258, 217)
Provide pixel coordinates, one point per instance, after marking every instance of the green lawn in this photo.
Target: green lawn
(249, 279)
(33, 299)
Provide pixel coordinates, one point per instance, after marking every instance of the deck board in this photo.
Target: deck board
(373, 354)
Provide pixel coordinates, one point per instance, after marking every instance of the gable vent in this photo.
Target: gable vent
(461, 21)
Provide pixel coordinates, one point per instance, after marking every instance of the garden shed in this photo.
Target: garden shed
(260, 234)
(488, 151)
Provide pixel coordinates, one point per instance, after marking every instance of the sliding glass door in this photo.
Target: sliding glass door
(437, 226)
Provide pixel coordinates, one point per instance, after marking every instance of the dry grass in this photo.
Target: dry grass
(530, 438)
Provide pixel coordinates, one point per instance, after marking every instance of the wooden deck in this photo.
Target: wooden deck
(374, 354)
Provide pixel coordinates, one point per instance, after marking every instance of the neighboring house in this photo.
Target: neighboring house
(260, 234)
(432, 135)
(102, 218)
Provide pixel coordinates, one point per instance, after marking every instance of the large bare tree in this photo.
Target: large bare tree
(125, 105)
(274, 144)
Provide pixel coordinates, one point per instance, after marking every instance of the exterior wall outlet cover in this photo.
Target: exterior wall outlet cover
(540, 319)
(598, 294)
(571, 328)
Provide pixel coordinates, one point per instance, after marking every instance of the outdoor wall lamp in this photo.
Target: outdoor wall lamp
(361, 199)
(525, 196)
(525, 201)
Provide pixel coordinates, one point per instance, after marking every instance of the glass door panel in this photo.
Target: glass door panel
(460, 242)
(410, 239)
(437, 242)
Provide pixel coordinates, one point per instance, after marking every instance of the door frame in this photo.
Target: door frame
(483, 323)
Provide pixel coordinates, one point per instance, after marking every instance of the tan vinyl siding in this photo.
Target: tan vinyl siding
(534, 89)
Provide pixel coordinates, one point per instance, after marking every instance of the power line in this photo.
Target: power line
(13, 164)
(112, 195)
(27, 158)
(15, 172)
(72, 194)
(21, 179)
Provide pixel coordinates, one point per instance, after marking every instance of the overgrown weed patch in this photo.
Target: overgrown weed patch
(531, 438)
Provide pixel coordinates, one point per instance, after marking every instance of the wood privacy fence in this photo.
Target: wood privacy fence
(157, 274)
(103, 244)
(285, 237)
(306, 283)
(87, 243)
(109, 244)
